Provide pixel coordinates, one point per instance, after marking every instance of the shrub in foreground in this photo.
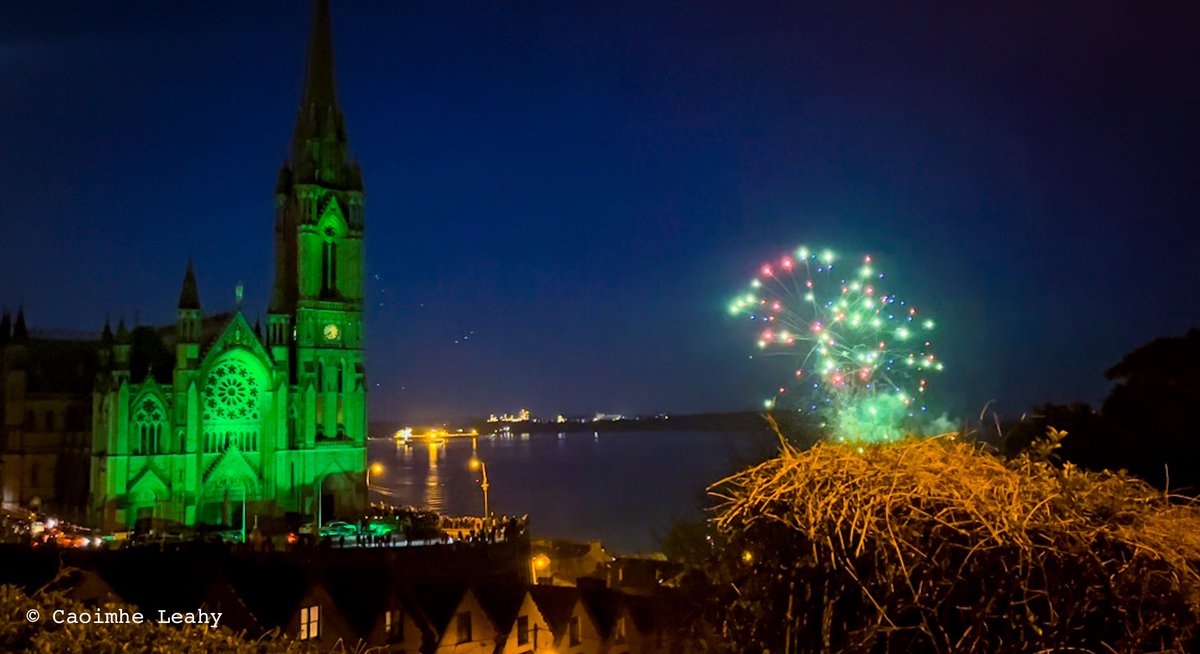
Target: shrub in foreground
(17, 634)
(936, 546)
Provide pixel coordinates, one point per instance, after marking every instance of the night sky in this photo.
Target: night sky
(562, 196)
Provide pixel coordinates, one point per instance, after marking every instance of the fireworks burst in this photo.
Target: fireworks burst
(863, 355)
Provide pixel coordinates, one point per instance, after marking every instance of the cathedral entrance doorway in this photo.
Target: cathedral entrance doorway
(337, 498)
(229, 496)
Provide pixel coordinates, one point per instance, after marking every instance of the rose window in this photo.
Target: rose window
(231, 393)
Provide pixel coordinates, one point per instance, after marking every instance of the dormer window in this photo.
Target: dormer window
(523, 630)
(575, 636)
(310, 623)
(463, 623)
(393, 625)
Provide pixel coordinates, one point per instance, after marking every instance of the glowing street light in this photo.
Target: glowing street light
(478, 464)
(373, 469)
(538, 564)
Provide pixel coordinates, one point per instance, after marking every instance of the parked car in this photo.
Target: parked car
(337, 529)
(227, 536)
(381, 527)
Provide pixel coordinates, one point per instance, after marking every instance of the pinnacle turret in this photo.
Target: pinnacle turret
(189, 295)
(20, 333)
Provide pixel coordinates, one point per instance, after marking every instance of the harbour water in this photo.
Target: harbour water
(625, 489)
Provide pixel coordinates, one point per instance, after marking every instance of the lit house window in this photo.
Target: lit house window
(310, 622)
(464, 627)
(393, 625)
(574, 631)
(523, 630)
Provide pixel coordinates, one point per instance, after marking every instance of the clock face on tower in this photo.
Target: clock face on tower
(331, 332)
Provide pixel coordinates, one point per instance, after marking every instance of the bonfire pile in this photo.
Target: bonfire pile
(935, 545)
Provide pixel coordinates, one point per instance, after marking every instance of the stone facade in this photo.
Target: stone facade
(45, 409)
(212, 419)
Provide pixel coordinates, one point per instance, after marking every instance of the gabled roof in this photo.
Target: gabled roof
(439, 603)
(502, 603)
(232, 465)
(148, 481)
(237, 332)
(557, 604)
(220, 596)
(139, 579)
(605, 606)
(360, 603)
(271, 588)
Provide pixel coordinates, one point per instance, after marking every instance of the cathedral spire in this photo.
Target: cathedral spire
(320, 91)
(320, 154)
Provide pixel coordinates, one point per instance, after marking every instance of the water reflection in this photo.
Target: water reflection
(433, 480)
(611, 486)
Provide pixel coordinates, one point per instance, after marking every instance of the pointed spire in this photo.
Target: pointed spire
(123, 337)
(20, 332)
(320, 90)
(5, 327)
(189, 296)
(104, 352)
(319, 146)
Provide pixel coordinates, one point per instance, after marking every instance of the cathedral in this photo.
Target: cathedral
(214, 420)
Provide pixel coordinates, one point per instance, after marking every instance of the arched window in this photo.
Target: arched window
(146, 435)
(329, 262)
(320, 394)
(341, 393)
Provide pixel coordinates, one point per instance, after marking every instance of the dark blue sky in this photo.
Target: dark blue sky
(581, 186)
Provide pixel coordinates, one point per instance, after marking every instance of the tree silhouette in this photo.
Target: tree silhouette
(1154, 406)
(1147, 424)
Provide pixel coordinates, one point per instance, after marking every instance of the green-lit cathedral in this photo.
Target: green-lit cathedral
(266, 419)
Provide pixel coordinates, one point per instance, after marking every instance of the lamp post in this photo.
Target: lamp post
(243, 513)
(373, 469)
(477, 464)
(537, 564)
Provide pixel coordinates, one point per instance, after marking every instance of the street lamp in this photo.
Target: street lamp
(477, 464)
(537, 564)
(373, 469)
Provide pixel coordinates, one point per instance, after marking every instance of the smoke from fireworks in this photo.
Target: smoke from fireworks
(863, 355)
